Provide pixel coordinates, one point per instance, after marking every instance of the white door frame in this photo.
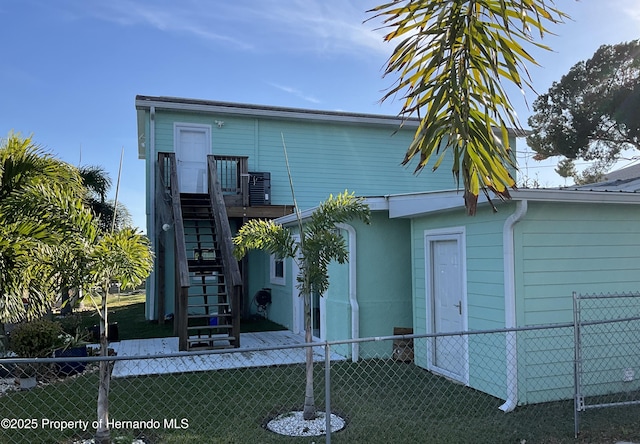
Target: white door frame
(446, 234)
(178, 127)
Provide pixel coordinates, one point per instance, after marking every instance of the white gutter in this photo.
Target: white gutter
(508, 250)
(151, 218)
(353, 295)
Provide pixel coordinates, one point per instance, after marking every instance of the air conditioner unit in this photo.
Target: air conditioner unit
(259, 188)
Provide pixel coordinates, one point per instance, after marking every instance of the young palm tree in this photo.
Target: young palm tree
(124, 256)
(319, 245)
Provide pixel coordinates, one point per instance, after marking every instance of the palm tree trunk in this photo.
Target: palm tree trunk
(103, 434)
(309, 411)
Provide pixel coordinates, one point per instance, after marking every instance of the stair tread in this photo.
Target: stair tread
(209, 327)
(210, 315)
(221, 304)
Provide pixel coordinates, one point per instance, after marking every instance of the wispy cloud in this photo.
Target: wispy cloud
(325, 25)
(319, 26)
(190, 17)
(295, 92)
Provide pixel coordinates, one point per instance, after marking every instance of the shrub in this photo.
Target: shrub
(36, 339)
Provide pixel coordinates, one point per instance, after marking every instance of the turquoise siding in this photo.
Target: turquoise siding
(561, 248)
(384, 280)
(325, 158)
(485, 290)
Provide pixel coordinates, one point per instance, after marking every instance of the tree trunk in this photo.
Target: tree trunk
(309, 411)
(103, 434)
(67, 304)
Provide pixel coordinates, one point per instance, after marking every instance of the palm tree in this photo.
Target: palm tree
(319, 245)
(98, 183)
(452, 60)
(41, 214)
(124, 256)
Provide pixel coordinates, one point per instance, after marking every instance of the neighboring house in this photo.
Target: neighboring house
(328, 152)
(515, 268)
(624, 174)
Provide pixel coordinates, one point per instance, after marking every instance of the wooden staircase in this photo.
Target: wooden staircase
(209, 319)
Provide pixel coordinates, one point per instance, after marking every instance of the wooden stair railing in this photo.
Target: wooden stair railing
(232, 274)
(168, 160)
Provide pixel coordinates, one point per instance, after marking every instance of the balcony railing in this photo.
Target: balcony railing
(233, 174)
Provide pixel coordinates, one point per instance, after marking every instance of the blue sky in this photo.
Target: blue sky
(71, 69)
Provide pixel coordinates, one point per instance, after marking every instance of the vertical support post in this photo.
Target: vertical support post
(327, 390)
(235, 313)
(577, 366)
(243, 166)
(183, 334)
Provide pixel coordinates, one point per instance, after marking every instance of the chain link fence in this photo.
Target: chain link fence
(607, 351)
(442, 388)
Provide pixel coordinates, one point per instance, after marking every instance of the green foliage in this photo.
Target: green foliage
(452, 60)
(97, 184)
(265, 235)
(592, 174)
(319, 244)
(36, 339)
(591, 113)
(124, 256)
(42, 217)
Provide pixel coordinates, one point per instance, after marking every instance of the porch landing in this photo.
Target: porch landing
(224, 359)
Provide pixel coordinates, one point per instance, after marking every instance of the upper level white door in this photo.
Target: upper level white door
(192, 145)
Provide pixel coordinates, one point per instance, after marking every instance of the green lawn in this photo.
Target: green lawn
(128, 311)
(383, 402)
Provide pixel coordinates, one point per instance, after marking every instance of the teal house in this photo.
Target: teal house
(189, 145)
(518, 268)
(422, 262)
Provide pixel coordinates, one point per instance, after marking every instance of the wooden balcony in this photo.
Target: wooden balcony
(234, 177)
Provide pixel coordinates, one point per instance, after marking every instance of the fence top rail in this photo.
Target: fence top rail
(17, 360)
(606, 295)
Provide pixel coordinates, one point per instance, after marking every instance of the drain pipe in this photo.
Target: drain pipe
(353, 295)
(508, 250)
(152, 159)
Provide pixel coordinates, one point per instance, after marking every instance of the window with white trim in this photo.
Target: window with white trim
(276, 270)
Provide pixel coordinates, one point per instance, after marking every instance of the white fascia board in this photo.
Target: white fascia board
(142, 138)
(417, 204)
(375, 204)
(605, 197)
(274, 112)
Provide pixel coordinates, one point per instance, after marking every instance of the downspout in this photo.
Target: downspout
(508, 249)
(152, 160)
(353, 295)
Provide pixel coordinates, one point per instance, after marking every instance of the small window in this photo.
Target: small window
(276, 270)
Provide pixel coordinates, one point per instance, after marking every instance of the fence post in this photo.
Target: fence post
(327, 391)
(577, 366)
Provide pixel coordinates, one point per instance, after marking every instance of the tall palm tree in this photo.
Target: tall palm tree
(452, 60)
(319, 245)
(98, 183)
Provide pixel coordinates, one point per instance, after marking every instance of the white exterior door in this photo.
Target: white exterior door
(446, 304)
(192, 145)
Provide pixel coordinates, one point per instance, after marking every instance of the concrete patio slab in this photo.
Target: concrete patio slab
(244, 357)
